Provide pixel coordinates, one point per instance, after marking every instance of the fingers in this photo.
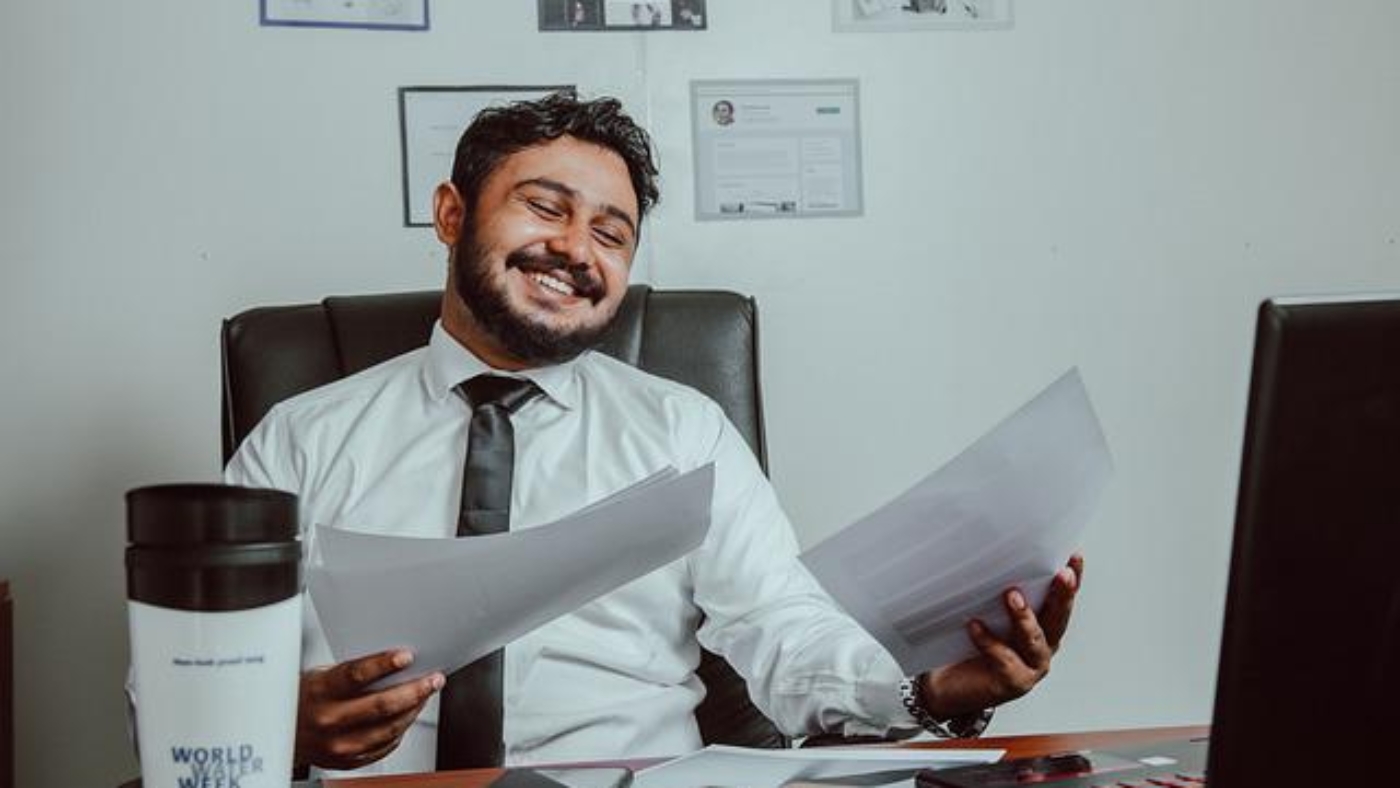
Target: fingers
(1037, 637)
(1059, 602)
(375, 707)
(1008, 674)
(342, 724)
(351, 677)
(1024, 659)
(358, 747)
(1007, 669)
(1027, 636)
(1017, 664)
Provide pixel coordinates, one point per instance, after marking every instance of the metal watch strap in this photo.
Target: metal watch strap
(963, 726)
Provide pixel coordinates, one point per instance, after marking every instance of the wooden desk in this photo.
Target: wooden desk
(1015, 746)
(1031, 745)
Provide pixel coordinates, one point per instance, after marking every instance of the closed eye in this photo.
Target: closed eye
(610, 237)
(545, 209)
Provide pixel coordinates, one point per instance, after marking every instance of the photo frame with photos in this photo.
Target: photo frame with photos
(578, 16)
(892, 16)
(431, 120)
(357, 14)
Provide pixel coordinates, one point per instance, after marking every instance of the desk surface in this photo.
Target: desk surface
(1015, 746)
(1032, 745)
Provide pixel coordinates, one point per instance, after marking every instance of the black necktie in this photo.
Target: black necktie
(470, 711)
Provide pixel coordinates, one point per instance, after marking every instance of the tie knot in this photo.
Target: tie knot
(509, 393)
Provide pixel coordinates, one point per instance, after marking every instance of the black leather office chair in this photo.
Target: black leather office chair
(705, 339)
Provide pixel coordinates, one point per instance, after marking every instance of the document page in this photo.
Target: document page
(454, 600)
(741, 767)
(1006, 512)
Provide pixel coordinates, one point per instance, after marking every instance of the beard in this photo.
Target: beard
(529, 339)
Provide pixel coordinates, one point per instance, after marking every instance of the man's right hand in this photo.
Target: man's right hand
(342, 724)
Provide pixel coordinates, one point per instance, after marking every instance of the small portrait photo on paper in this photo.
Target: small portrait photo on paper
(722, 112)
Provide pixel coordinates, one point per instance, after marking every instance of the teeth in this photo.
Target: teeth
(557, 285)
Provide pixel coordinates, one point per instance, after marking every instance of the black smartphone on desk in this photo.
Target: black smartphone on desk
(1180, 762)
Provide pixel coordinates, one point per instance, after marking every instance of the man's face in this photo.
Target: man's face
(541, 266)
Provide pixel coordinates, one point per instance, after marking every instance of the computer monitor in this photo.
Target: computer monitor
(1308, 691)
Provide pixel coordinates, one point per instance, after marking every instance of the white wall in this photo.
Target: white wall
(1111, 184)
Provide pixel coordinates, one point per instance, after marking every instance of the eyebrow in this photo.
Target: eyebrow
(573, 194)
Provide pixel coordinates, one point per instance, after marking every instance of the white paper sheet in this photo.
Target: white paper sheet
(453, 600)
(739, 767)
(1004, 513)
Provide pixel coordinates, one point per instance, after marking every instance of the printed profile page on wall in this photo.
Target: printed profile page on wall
(776, 149)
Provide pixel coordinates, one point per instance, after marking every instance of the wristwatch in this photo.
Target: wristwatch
(963, 726)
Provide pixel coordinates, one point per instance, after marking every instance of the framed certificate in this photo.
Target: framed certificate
(431, 120)
(776, 149)
(368, 14)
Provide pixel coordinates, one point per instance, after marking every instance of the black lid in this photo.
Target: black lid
(190, 514)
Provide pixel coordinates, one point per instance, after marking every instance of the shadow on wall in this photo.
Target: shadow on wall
(65, 540)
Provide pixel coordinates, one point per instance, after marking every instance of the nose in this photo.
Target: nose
(572, 242)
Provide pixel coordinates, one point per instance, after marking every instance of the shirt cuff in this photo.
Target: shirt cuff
(877, 698)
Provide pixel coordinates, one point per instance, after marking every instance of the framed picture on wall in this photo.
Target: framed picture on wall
(884, 16)
(366, 14)
(431, 120)
(776, 148)
(635, 15)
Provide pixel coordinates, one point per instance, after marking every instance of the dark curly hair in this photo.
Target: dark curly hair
(499, 132)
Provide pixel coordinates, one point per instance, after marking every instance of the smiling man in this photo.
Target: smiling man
(541, 220)
(541, 252)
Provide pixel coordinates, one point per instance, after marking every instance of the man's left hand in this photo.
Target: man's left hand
(1004, 670)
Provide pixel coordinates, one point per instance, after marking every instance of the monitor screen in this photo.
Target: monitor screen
(1310, 658)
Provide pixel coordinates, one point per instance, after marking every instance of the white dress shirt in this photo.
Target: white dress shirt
(382, 452)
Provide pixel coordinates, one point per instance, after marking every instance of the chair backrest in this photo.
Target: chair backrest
(705, 339)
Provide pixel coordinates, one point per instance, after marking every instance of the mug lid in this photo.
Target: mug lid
(190, 514)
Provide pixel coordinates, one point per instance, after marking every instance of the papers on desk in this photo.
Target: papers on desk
(1004, 513)
(739, 767)
(453, 600)
(564, 777)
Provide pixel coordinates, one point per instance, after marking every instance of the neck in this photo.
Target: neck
(462, 326)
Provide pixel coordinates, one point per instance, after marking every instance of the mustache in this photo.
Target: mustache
(579, 277)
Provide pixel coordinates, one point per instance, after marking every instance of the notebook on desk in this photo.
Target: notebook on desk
(1308, 687)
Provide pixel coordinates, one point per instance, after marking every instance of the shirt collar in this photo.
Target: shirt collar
(447, 363)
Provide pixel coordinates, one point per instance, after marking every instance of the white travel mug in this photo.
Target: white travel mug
(214, 605)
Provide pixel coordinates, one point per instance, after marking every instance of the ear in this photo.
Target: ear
(448, 211)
